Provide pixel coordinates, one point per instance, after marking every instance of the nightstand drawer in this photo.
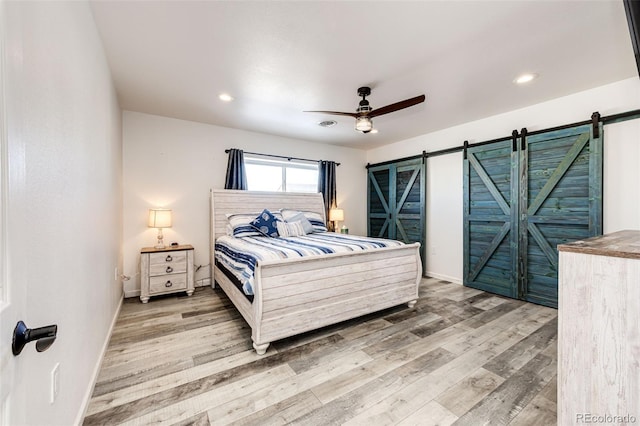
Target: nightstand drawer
(168, 268)
(168, 258)
(168, 283)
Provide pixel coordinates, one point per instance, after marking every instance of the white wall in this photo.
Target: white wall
(622, 176)
(173, 163)
(444, 173)
(64, 105)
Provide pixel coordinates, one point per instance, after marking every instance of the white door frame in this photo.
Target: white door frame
(13, 249)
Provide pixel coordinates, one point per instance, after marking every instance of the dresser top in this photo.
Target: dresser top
(618, 244)
(166, 248)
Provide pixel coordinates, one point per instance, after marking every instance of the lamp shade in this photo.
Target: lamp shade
(364, 124)
(159, 218)
(336, 215)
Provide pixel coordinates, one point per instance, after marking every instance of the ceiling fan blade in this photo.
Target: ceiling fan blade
(350, 114)
(397, 106)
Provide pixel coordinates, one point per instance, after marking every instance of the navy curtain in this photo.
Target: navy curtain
(327, 186)
(236, 173)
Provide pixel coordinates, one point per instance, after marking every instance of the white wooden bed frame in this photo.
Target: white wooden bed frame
(293, 296)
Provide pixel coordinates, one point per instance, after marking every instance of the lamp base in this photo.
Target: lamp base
(160, 244)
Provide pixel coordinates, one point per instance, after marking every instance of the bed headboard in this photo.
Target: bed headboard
(224, 201)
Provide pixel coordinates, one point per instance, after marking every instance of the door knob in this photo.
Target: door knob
(44, 337)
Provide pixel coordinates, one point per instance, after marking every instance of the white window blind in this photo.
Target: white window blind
(280, 175)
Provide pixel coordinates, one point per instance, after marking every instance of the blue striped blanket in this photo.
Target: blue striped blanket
(240, 255)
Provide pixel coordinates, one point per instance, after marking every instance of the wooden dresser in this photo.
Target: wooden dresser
(166, 270)
(599, 330)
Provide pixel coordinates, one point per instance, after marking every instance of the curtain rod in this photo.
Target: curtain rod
(288, 158)
(610, 119)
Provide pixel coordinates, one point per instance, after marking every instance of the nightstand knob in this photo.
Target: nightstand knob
(168, 284)
(168, 259)
(169, 269)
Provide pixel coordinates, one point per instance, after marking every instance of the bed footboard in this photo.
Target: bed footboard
(299, 295)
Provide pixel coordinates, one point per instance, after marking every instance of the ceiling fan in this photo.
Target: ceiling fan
(364, 113)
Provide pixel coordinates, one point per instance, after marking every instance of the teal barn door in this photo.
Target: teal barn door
(521, 199)
(490, 222)
(379, 194)
(397, 201)
(561, 201)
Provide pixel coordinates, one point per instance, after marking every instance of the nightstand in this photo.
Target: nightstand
(166, 270)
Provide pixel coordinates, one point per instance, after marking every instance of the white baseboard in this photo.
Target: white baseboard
(96, 371)
(203, 282)
(131, 293)
(444, 277)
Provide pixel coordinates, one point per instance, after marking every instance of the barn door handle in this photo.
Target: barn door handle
(44, 337)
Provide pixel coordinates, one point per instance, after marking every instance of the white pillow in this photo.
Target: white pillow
(315, 219)
(290, 229)
(241, 225)
(300, 217)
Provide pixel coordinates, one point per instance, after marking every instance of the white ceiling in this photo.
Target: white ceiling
(173, 58)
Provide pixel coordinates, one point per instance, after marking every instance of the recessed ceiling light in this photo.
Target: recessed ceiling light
(225, 97)
(525, 78)
(327, 123)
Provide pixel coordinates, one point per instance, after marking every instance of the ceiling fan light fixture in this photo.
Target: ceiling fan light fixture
(364, 108)
(364, 124)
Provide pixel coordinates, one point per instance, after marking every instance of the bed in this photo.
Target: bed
(296, 295)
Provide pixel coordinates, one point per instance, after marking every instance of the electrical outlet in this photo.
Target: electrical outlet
(55, 383)
(115, 274)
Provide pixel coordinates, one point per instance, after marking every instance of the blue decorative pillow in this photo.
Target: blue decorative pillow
(266, 223)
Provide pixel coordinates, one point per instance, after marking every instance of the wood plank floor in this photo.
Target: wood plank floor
(460, 356)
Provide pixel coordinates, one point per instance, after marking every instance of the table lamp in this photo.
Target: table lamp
(336, 215)
(159, 218)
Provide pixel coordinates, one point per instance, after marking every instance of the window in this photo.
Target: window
(265, 174)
